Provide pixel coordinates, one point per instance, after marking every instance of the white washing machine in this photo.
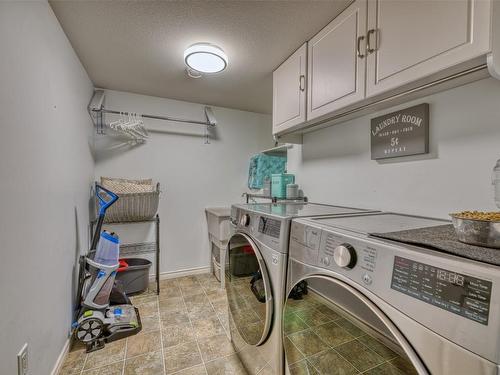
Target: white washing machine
(382, 307)
(256, 276)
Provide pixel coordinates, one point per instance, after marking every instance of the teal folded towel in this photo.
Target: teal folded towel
(262, 166)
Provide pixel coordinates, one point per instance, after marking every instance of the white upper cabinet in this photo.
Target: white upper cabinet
(410, 40)
(336, 62)
(377, 53)
(289, 97)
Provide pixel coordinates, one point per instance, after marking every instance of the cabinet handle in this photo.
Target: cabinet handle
(369, 48)
(360, 39)
(302, 82)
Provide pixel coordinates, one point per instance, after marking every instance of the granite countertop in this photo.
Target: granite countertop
(443, 238)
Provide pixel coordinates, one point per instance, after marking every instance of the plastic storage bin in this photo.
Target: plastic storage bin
(135, 277)
(218, 232)
(217, 254)
(216, 269)
(218, 223)
(279, 182)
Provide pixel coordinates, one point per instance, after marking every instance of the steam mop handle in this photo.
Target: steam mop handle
(95, 238)
(106, 200)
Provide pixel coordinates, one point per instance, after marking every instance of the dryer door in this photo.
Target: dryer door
(248, 291)
(328, 324)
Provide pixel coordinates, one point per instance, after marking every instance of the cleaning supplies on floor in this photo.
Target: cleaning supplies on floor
(103, 313)
(279, 182)
(262, 166)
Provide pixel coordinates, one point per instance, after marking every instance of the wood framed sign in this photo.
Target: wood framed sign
(401, 133)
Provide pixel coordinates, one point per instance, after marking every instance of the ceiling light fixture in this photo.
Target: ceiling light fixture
(205, 58)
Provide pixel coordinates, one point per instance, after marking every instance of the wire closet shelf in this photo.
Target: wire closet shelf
(131, 124)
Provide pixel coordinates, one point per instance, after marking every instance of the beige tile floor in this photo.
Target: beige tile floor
(185, 332)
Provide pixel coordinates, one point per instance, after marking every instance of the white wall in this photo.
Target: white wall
(333, 165)
(45, 170)
(193, 175)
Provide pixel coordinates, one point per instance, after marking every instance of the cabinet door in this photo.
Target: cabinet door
(289, 98)
(336, 63)
(413, 39)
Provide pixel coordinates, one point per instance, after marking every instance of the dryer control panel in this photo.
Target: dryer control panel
(349, 256)
(336, 252)
(460, 294)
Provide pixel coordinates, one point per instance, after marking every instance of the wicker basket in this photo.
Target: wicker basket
(134, 207)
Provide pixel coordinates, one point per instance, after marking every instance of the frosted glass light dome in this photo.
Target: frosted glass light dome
(205, 58)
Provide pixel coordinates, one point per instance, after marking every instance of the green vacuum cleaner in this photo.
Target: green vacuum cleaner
(104, 312)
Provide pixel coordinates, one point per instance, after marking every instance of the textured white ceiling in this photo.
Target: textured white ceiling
(138, 46)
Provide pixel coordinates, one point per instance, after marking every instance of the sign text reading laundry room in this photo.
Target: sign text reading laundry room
(401, 133)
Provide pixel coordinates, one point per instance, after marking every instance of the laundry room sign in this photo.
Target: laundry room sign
(401, 133)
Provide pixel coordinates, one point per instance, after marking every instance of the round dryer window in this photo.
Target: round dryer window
(328, 324)
(248, 292)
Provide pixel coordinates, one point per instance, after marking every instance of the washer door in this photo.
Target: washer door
(328, 324)
(248, 290)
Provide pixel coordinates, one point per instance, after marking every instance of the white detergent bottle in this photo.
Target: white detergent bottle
(496, 182)
(108, 249)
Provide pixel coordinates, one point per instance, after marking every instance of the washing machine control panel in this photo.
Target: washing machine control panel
(269, 226)
(270, 231)
(266, 229)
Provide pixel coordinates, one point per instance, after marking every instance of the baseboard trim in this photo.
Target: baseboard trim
(180, 273)
(61, 358)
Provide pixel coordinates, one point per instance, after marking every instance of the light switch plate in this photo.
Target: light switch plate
(22, 360)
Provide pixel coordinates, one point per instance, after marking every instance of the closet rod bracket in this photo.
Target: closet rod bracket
(96, 110)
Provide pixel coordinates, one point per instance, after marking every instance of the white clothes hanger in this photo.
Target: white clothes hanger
(132, 126)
